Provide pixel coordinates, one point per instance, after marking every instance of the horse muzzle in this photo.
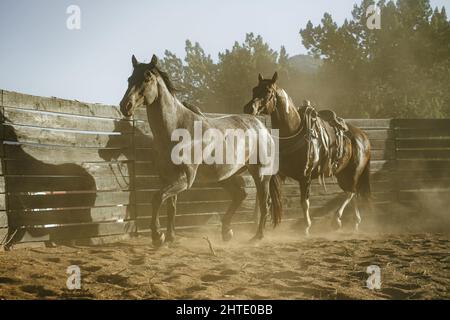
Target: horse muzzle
(126, 109)
(251, 108)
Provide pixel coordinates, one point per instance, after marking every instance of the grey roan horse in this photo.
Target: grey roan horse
(150, 87)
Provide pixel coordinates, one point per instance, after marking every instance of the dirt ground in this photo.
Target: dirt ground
(284, 265)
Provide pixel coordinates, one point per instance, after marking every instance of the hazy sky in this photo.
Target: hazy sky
(39, 55)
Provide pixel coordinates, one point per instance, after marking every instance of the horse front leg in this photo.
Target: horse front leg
(162, 195)
(235, 186)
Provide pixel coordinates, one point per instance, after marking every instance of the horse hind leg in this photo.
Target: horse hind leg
(262, 184)
(340, 211)
(263, 191)
(357, 214)
(304, 201)
(235, 186)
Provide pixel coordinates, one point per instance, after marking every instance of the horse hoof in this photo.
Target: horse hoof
(307, 234)
(256, 238)
(159, 240)
(170, 238)
(336, 224)
(227, 235)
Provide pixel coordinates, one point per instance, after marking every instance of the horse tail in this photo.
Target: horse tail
(276, 206)
(363, 186)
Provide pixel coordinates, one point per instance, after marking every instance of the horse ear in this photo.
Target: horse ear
(134, 61)
(260, 78)
(275, 77)
(154, 61)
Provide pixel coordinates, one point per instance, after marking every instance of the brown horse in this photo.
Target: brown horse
(352, 168)
(151, 88)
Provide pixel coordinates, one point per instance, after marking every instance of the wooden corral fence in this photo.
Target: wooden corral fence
(72, 171)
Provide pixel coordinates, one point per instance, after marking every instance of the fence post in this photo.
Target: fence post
(395, 182)
(133, 180)
(4, 225)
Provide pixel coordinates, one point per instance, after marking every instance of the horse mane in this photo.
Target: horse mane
(193, 108)
(172, 89)
(169, 84)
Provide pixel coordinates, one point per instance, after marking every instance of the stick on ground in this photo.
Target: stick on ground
(210, 246)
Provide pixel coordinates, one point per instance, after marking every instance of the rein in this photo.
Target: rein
(274, 96)
(122, 175)
(292, 136)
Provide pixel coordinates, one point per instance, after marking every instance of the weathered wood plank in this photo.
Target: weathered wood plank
(217, 194)
(418, 175)
(67, 183)
(141, 115)
(3, 233)
(57, 154)
(81, 231)
(366, 124)
(386, 154)
(3, 220)
(144, 168)
(423, 153)
(423, 143)
(380, 134)
(60, 121)
(144, 154)
(143, 141)
(382, 165)
(422, 133)
(69, 200)
(154, 183)
(429, 194)
(208, 219)
(2, 201)
(289, 202)
(95, 169)
(65, 138)
(29, 102)
(422, 164)
(382, 144)
(381, 153)
(422, 124)
(70, 216)
(430, 183)
(142, 128)
(145, 136)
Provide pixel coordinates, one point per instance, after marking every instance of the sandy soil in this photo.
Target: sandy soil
(282, 266)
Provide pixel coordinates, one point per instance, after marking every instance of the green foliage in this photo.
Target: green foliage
(400, 70)
(224, 86)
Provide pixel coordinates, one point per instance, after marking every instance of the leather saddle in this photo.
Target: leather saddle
(332, 119)
(329, 131)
